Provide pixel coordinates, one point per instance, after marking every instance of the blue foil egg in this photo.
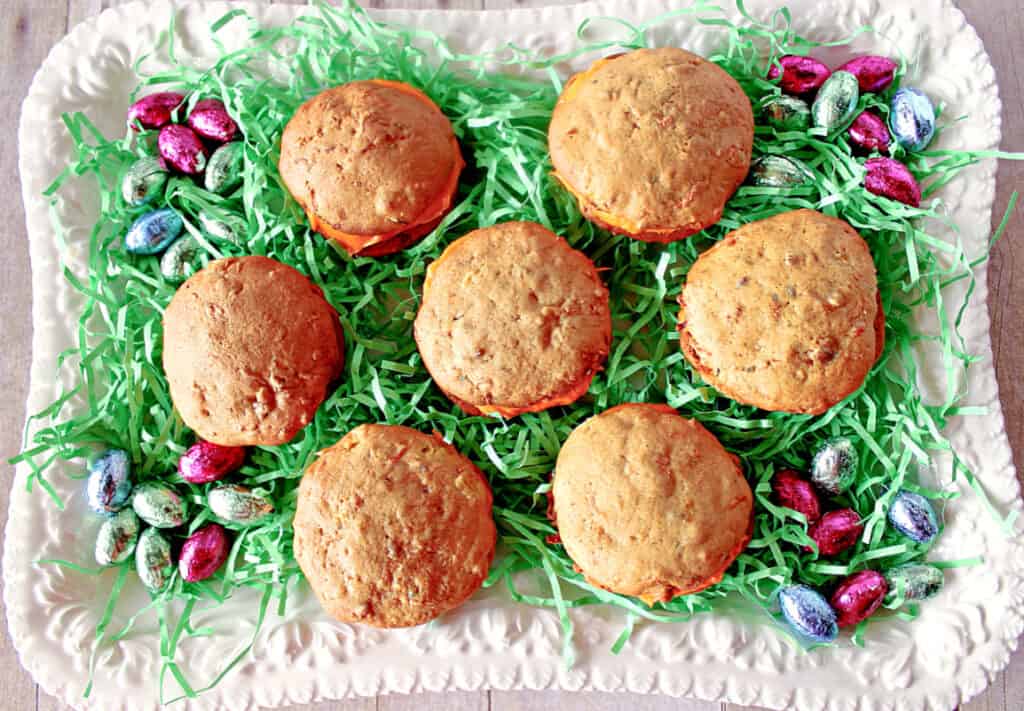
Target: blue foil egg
(911, 118)
(912, 515)
(834, 466)
(808, 613)
(109, 486)
(154, 231)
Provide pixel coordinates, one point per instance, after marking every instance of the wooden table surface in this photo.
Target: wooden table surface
(33, 26)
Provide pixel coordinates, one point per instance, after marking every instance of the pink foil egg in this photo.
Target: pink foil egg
(210, 119)
(791, 490)
(182, 149)
(836, 531)
(869, 132)
(890, 178)
(204, 552)
(874, 73)
(154, 111)
(205, 462)
(800, 75)
(858, 597)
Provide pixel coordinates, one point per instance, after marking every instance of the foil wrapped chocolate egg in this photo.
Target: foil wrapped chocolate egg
(911, 118)
(204, 552)
(210, 119)
(786, 113)
(205, 462)
(144, 181)
(912, 515)
(858, 597)
(153, 561)
(836, 531)
(776, 172)
(158, 505)
(799, 75)
(229, 231)
(874, 73)
(224, 171)
(891, 179)
(808, 613)
(109, 486)
(834, 466)
(238, 504)
(116, 539)
(868, 132)
(154, 111)
(836, 101)
(181, 260)
(791, 490)
(153, 232)
(915, 581)
(182, 149)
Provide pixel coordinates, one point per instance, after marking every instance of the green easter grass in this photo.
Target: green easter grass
(501, 120)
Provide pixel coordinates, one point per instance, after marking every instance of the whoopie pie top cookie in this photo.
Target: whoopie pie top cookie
(648, 503)
(652, 142)
(250, 347)
(393, 527)
(784, 313)
(513, 320)
(374, 164)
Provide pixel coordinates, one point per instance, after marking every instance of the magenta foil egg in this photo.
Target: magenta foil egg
(800, 75)
(891, 179)
(858, 597)
(874, 73)
(869, 132)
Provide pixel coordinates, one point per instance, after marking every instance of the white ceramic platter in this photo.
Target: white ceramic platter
(950, 653)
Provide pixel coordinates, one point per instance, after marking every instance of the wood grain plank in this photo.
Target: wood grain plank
(29, 29)
(455, 701)
(592, 701)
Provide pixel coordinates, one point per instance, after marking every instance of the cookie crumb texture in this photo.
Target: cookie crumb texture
(513, 320)
(250, 347)
(369, 157)
(649, 503)
(653, 142)
(393, 527)
(784, 313)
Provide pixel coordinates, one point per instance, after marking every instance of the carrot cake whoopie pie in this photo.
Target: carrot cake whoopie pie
(513, 320)
(250, 347)
(374, 164)
(652, 142)
(648, 503)
(784, 313)
(393, 527)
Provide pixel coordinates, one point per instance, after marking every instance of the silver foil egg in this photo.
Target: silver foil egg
(144, 181)
(153, 560)
(834, 466)
(116, 539)
(836, 101)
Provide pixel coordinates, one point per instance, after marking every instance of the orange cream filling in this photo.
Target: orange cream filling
(609, 220)
(354, 243)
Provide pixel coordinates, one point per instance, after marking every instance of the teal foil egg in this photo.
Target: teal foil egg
(836, 101)
(915, 581)
(912, 515)
(911, 118)
(153, 561)
(181, 260)
(777, 172)
(786, 113)
(808, 613)
(158, 505)
(238, 504)
(834, 466)
(109, 485)
(144, 181)
(154, 231)
(224, 171)
(116, 539)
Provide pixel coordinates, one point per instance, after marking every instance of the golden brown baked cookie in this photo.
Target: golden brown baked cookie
(650, 504)
(393, 527)
(250, 346)
(784, 313)
(652, 143)
(513, 320)
(374, 164)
